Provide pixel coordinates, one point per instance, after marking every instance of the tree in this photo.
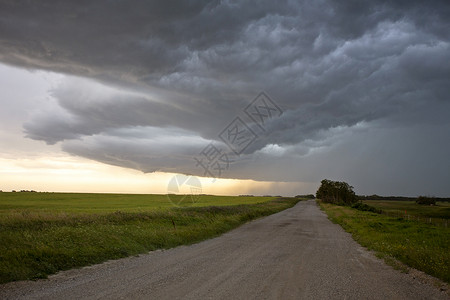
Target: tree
(337, 192)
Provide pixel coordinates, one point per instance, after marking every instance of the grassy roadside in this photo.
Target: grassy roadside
(36, 245)
(418, 245)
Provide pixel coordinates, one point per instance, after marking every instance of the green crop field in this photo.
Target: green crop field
(104, 203)
(43, 233)
(417, 244)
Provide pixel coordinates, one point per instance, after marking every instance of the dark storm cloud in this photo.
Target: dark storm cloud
(195, 65)
(142, 41)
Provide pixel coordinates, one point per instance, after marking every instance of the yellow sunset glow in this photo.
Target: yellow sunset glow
(74, 174)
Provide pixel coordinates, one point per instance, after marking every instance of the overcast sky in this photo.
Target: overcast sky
(355, 91)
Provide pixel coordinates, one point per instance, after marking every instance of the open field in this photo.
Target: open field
(104, 203)
(438, 214)
(416, 244)
(41, 234)
(441, 210)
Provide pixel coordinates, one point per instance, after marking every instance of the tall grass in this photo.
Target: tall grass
(441, 210)
(419, 245)
(36, 244)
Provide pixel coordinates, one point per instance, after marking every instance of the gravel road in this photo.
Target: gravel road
(295, 254)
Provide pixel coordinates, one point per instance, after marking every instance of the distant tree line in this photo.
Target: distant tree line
(22, 191)
(309, 196)
(378, 197)
(398, 198)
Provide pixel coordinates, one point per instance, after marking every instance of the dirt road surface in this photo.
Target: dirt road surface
(295, 254)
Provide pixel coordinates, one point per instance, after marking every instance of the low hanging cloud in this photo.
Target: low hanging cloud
(160, 81)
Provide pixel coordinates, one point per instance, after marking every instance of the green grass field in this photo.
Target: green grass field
(43, 233)
(419, 245)
(441, 210)
(104, 203)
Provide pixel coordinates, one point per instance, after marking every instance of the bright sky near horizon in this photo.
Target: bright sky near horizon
(120, 97)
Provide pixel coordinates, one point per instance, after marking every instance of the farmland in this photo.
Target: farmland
(42, 233)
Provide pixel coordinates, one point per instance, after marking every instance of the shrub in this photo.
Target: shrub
(365, 207)
(422, 200)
